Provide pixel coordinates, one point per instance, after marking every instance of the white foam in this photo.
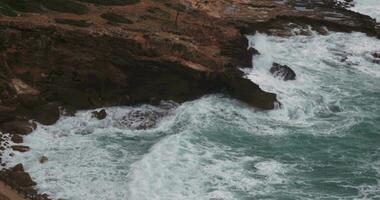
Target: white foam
(313, 58)
(368, 7)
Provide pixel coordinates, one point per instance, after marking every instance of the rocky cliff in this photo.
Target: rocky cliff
(57, 56)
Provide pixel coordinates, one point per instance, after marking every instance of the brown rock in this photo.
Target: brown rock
(100, 115)
(20, 148)
(17, 138)
(46, 114)
(18, 168)
(21, 127)
(247, 91)
(23, 179)
(30, 101)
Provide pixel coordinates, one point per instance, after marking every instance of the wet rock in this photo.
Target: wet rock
(68, 111)
(283, 71)
(100, 115)
(17, 139)
(141, 119)
(20, 177)
(20, 127)
(46, 114)
(253, 51)
(18, 168)
(376, 55)
(20, 148)
(6, 113)
(248, 92)
(43, 159)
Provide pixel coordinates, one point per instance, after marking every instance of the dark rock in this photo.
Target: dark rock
(6, 113)
(376, 55)
(30, 101)
(100, 115)
(18, 168)
(20, 148)
(46, 114)
(141, 119)
(17, 138)
(68, 111)
(21, 127)
(253, 51)
(43, 159)
(248, 92)
(283, 71)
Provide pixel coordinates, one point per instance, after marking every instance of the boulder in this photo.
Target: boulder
(17, 139)
(20, 127)
(46, 114)
(20, 148)
(100, 115)
(283, 71)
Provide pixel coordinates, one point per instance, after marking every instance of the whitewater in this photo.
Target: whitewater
(323, 143)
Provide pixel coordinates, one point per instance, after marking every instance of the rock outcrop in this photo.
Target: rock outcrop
(283, 71)
(85, 54)
(57, 56)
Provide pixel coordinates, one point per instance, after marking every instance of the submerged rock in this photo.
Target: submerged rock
(283, 71)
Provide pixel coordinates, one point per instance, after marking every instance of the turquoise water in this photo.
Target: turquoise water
(324, 143)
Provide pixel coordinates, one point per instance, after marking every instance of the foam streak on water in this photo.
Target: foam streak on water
(324, 143)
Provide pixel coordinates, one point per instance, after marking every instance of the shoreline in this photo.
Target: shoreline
(171, 64)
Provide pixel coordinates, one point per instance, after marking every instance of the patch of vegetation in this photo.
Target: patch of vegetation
(111, 2)
(115, 18)
(34, 6)
(73, 22)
